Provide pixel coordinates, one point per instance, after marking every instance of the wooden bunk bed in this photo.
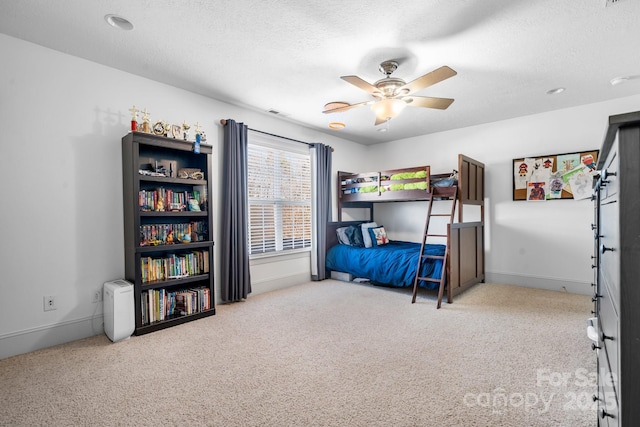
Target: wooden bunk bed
(465, 240)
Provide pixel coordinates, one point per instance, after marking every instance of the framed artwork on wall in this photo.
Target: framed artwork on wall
(554, 176)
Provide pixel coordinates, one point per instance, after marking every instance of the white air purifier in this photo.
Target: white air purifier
(119, 322)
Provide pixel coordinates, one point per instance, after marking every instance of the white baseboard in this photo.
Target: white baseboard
(540, 282)
(261, 286)
(49, 335)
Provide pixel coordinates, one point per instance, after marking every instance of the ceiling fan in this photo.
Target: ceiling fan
(391, 94)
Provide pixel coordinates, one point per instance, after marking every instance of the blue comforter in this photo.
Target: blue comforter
(393, 264)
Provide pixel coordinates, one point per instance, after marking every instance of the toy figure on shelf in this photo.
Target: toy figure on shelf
(146, 128)
(185, 130)
(196, 143)
(194, 206)
(134, 118)
(169, 239)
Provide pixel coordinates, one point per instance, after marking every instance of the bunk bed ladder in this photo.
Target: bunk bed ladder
(425, 238)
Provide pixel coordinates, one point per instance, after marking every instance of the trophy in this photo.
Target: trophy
(134, 118)
(145, 121)
(185, 128)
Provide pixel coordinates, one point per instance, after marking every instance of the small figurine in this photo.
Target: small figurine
(158, 128)
(134, 118)
(169, 239)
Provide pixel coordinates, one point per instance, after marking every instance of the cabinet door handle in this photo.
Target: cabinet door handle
(604, 249)
(606, 337)
(595, 398)
(594, 346)
(606, 174)
(595, 298)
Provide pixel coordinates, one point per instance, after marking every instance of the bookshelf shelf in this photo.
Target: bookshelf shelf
(173, 281)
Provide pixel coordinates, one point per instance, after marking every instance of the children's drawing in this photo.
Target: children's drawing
(567, 162)
(535, 191)
(541, 173)
(521, 173)
(580, 182)
(589, 162)
(555, 187)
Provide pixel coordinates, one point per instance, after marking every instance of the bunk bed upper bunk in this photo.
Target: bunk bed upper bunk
(362, 190)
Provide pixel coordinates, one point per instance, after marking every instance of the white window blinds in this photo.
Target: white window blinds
(279, 189)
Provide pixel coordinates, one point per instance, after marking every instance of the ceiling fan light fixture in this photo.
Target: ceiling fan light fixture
(388, 108)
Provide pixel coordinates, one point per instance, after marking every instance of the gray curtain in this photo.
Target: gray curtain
(234, 250)
(321, 166)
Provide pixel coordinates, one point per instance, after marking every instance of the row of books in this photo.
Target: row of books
(161, 304)
(166, 200)
(174, 266)
(163, 234)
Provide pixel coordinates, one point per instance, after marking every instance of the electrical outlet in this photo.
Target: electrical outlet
(50, 303)
(97, 297)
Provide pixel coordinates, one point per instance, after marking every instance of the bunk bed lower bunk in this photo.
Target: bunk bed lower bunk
(395, 263)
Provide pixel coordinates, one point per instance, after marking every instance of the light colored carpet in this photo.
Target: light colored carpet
(326, 354)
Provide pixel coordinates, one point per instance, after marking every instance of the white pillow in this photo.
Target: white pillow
(366, 237)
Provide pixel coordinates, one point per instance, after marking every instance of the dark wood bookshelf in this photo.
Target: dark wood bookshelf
(140, 151)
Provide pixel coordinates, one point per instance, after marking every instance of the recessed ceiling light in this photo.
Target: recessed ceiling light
(337, 125)
(623, 79)
(118, 22)
(555, 91)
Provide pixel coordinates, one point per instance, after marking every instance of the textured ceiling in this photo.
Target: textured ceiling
(288, 55)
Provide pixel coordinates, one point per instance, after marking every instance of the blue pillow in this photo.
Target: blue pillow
(351, 235)
(354, 234)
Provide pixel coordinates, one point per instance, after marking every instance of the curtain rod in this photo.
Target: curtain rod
(223, 122)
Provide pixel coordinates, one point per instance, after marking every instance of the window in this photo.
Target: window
(279, 189)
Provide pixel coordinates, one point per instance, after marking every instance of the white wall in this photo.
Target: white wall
(60, 166)
(546, 245)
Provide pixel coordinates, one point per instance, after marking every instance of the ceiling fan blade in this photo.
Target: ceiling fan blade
(380, 121)
(428, 102)
(366, 86)
(436, 76)
(347, 107)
